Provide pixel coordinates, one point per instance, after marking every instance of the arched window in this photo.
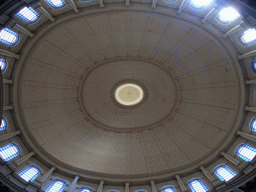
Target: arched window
(56, 3)
(197, 185)
(246, 152)
(200, 3)
(9, 151)
(228, 14)
(28, 14)
(3, 64)
(169, 189)
(56, 186)
(224, 173)
(3, 124)
(84, 189)
(248, 37)
(29, 173)
(8, 37)
(254, 65)
(253, 124)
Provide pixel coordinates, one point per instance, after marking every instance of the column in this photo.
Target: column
(153, 186)
(23, 30)
(9, 135)
(127, 187)
(181, 184)
(230, 158)
(9, 54)
(207, 174)
(47, 174)
(73, 5)
(209, 15)
(44, 12)
(246, 55)
(182, 6)
(7, 81)
(247, 136)
(25, 158)
(73, 184)
(252, 109)
(100, 186)
(6, 108)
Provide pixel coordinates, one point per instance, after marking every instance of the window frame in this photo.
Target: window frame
(22, 17)
(241, 156)
(5, 121)
(249, 43)
(52, 184)
(5, 64)
(169, 187)
(200, 181)
(55, 7)
(11, 32)
(253, 120)
(85, 188)
(227, 168)
(12, 156)
(26, 169)
(226, 22)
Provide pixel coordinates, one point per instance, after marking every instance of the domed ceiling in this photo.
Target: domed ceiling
(67, 84)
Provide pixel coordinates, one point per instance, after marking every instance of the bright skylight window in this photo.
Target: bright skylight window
(228, 15)
(200, 3)
(56, 3)
(169, 189)
(224, 173)
(3, 64)
(198, 185)
(253, 124)
(246, 152)
(56, 186)
(85, 190)
(8, 36)
(28, 14)
(9, 151)
(29, 173)
(248, 37)
(3, 124)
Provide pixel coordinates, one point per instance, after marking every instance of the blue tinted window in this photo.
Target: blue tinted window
(254, 65)
(253, 124)
(248, 37)
(29, 173)
(28, 14)
(224, 173)
(8, 37)
(197, 185)
(9, 151)
(169, 189)
(56, 3)
(56, 186)
(246, 152)
(3, 64)
(84, 189)
(3, 124)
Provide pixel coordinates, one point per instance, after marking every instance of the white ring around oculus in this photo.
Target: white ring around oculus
(129, 94)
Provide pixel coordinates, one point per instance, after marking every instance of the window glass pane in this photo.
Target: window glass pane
(85, 190)
(249, 37)
(253, 124)
(198, 186)
(254, 65)
(56, 3)
(228, 15)
(224, 173)
(56, 186)
(169, 189)
(200, 3)
(3, 124)
(8, 36)
(9, 151)
(3, 64)
(29, 173)
(246, 152)
(28, 14)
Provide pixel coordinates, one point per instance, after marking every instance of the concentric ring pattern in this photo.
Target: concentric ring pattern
(208, 93)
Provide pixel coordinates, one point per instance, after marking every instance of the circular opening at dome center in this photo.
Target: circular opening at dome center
(129, 94)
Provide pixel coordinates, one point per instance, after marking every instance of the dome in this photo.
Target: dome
(142, 96)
